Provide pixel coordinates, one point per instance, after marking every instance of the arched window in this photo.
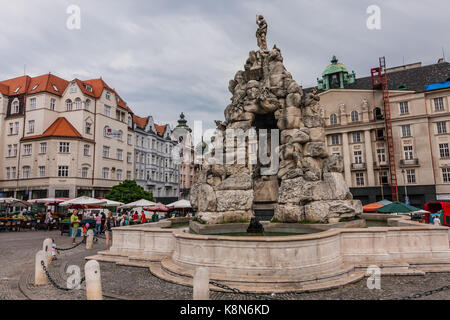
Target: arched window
(355, 116)
(77, 103)
(333, 119)
(68, 105)
(15, 106)
(87, 104)
(377, 114)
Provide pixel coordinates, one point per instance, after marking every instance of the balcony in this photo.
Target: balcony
(358, 166)
(382, 164)
(409, 163)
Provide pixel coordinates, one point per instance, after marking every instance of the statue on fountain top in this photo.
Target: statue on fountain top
(261, 33)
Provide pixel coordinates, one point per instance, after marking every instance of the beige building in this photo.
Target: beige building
(419, 104)
(63, 138)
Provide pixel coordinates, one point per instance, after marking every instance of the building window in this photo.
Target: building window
(107, 111)
(17, 125)
(52, 104)
(108, 95)
(333, 119)
(106, 152)
(26, 172)
(63, 171)
(78, 104)
(128, 175)
(64, 147)
(88, 127)
(69, 105)
(32, 103)
(381, 155)
(384, 177)
(119, 154)
(358, 157)
(27, 149)
(411, 176)
(129, 157)
(31, 126)
(43, 148)
(8, 173)
(105, 173)
(408, 152)
(355, 116)
(360, 179)
(84, 172)
(439, 104)
(443, 150)
(41, 171)
(13, 172)
(87, 104)
(86, 149)
(14, 150)
(119, 174)
(446, 174)
(406, 130)
(404, 108)
(335, 139)
(129, 139)
(73, 88)
(356, 136)
(11, 128)
(441, 127)
(15, 106)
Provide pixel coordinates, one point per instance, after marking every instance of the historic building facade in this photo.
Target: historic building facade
(419, 103)
(63, 138)
(155, 168)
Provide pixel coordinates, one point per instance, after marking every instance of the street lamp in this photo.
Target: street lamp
(406, 191)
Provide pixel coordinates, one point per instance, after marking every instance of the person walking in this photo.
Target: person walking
(109, 224)
(98, 223)
(48, 219)
(75, 224)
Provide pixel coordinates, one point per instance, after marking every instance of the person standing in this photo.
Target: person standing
(143, 218)
(109, 224)
(48, 219)
(75, 224)
(98, 223)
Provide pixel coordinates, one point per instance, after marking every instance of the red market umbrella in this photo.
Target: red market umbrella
(159, 207)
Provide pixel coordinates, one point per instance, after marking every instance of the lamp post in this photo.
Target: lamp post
(406, 191)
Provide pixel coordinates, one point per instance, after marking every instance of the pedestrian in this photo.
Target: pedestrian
(98, 223)
(54, 252)
(75, 224)
(437, 221)
(103, 222)
(143, 218)
(135, 217)
(109, 224)
(48, 219)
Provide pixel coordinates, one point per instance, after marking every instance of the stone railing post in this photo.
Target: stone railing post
(93, 280)
(90, 239)
(40, 278)
(201, 284)
(47, 248)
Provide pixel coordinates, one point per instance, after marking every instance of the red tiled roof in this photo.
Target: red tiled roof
(46, 83)
(60, 128)
(140, 122)
(19, 82)
(160, 129)
(4, 89)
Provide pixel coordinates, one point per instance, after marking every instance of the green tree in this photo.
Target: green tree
(128, 191)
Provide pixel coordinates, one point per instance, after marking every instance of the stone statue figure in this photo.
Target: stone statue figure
(261, 32)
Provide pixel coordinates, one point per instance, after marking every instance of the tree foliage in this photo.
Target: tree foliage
(128, 191)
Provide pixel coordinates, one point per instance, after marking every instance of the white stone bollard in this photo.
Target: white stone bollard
(40, 278)
(201, 284)
(90, 239)
(93, 280)
(47, 248)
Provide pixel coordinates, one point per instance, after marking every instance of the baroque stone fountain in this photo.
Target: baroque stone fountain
(308, 184)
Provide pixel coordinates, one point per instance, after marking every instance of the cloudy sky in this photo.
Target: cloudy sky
(165, 57)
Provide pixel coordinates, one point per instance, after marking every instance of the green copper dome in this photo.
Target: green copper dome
(335, 67)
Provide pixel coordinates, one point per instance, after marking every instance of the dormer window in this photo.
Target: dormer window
(17, 90)
(55, 88)
(88, 87)
(73, 87)
(108, 95)
(15, 106)
(34, 88)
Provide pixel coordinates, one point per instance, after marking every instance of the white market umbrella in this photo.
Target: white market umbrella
(13, 202)
(111, 203)
(180, 204)
(139, 204)
(49, 200)
(84, 201)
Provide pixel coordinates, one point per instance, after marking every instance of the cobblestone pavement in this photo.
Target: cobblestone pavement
(18, 250)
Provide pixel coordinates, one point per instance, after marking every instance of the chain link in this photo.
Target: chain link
(76, 245)
(237, 291)
(53, 282)
(425, 294)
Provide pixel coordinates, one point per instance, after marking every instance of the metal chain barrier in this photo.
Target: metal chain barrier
(424, 294)
(237, 291)
(76, 245)
(53, 282)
